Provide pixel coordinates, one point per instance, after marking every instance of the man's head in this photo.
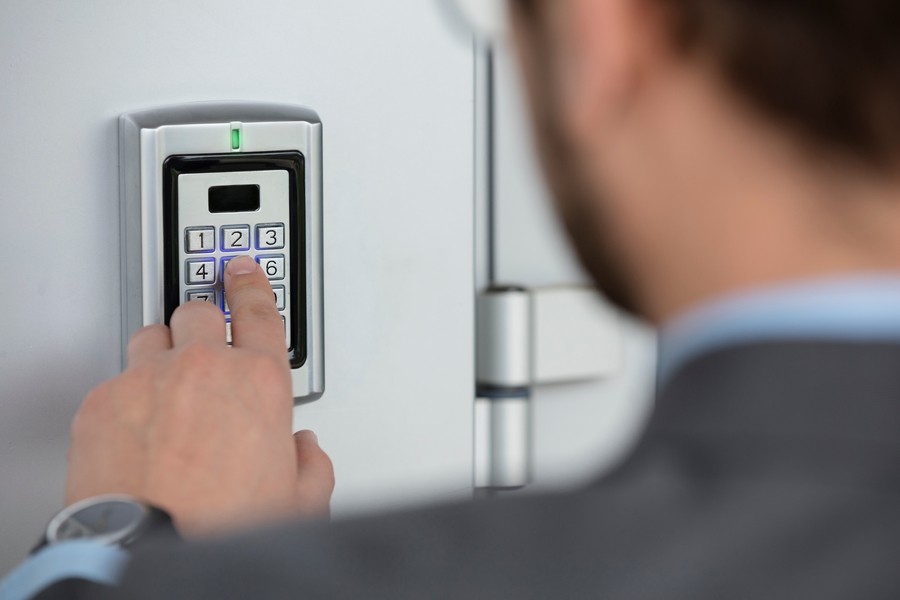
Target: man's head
(695, 147)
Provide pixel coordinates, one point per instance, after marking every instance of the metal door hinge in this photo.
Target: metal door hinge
(528, 337)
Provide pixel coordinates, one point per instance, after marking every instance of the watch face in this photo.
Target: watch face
(108, 520)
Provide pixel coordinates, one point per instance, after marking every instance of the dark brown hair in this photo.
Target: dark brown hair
(829, 68)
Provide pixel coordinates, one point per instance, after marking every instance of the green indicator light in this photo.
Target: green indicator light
(235, 139)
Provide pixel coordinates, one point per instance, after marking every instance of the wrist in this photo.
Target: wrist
(115, 520)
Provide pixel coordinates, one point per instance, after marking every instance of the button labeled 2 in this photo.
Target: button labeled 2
(235, 238)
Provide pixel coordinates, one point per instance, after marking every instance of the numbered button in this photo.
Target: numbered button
(225, 262)
(200, 239)
(279, 296)
(273, 266)
(225, 308)
(205, 295)
(270, 236)
(200, 271)
(235, 238)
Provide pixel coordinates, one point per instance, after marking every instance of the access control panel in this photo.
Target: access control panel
(205, 183)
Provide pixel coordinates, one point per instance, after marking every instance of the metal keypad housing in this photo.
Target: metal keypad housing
(209, 240)
(175, 246)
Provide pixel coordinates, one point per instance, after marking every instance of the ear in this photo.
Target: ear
(601, 52)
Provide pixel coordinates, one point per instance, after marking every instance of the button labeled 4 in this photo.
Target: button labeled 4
(201, 271)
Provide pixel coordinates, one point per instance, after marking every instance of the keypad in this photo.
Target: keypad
(203, 278)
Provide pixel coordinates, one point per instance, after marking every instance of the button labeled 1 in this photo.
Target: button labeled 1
(200, 239)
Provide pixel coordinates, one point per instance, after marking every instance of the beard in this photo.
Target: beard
(578, 200)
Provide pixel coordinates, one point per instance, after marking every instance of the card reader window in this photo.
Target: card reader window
(233, 198)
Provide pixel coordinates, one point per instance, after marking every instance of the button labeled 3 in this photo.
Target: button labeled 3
(270, 236)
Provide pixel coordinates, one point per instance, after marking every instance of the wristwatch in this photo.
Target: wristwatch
(111, 520)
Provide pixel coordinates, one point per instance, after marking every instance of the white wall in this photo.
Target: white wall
(394, 89)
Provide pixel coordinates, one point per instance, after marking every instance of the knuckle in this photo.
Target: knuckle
(143, 332)
(194, 364)
(271, 379)
(92, 408)
(268, 370)
(196, 309)
(254, 303)
(260, 310)
(328, 472)
(196, 358)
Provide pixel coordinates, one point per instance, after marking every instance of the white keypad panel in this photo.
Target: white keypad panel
(222, 236)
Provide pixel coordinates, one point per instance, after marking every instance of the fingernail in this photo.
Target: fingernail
(311, 436)
(241, 265)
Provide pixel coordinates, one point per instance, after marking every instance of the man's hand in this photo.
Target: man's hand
(200, 429)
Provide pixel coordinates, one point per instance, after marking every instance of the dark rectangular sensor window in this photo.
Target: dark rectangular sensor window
(233, 198)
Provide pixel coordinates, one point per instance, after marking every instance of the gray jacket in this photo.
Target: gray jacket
(768, 471)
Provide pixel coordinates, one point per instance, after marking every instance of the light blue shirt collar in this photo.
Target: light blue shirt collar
(859, 308)
(76, 559)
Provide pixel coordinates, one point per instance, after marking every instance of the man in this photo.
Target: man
(728, 170)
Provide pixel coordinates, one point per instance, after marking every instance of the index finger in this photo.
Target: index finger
(255, 322)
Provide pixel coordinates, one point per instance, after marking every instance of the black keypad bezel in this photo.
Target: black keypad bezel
(294, 164)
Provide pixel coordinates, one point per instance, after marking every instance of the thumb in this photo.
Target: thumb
(315, 475)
